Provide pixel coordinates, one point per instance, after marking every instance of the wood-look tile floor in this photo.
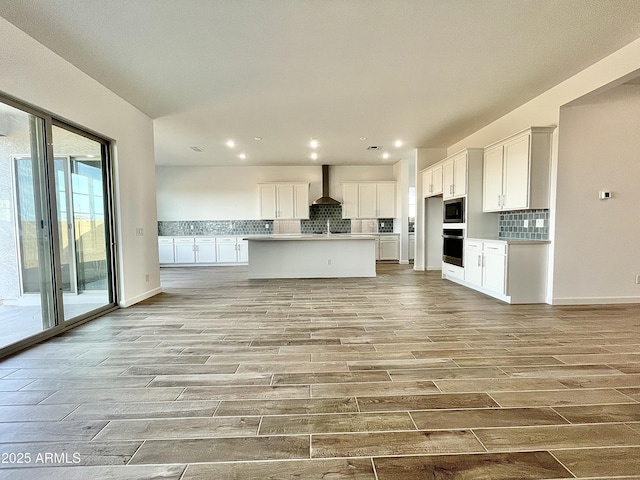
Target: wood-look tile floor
(403, 376)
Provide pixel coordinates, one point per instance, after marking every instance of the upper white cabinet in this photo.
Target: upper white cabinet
(516, 172)
(284, 201)
(432, 181)
(369, 200)
(454, 176)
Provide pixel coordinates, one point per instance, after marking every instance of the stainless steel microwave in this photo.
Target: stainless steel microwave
(453, 211)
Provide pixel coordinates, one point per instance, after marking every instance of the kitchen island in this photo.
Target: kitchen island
(311, 256)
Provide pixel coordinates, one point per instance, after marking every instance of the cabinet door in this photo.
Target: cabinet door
(367, 200)
(516, 174)
(206, 252)
(492, 179)
(243, 251)
(437, 180)
(165, 251)
(447, 179)
(350, 200)
(494, 277)
(460, 175)
(386, 200)
(389, 249)
(427, 183)
(412, 247)
(226, 250)
(184, 250)
(284, 202)
(301, 201)
(473, 266)
(268, 201)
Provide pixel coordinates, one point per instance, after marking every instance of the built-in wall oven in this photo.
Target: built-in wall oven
(452, 243)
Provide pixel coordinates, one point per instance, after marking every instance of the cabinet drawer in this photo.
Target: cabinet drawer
(497, 248)
(165, 241)
(452, 271)
(226, 240)
(473, 245)
(202, 241)
(182, 240)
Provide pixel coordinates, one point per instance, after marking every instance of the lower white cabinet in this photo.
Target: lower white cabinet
(412, 246)
(165, 250)
(202, 250)
(511, 270)
(205, 250)
(185, 249)
(387, 247)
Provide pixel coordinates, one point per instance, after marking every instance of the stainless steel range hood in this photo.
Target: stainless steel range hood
(325, 199)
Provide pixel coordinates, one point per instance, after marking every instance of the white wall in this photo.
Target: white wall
(231, 193)
(597, 247)
(33, 74)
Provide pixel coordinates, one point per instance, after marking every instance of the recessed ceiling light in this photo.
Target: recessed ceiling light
(231, 143)
(397, 143)
(363, 138)
(257, 139)
(385, 155)
(313, 143)
(242, 156)
(314, 156)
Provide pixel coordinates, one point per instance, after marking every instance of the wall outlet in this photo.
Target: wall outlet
(638, 279)
(266, 225)
(139, 232)
(146, 278)
(526, 224)
(539, 223)
(329, 262)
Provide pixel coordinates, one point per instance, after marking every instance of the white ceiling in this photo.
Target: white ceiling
(428, 72)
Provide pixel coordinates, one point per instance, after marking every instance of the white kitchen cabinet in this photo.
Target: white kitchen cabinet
(243, 250)
(205, 250)
(513, 271)
(432, 181)
(226, 249)
(389, 247)
(516, 172)
(368, 200)
(284, 201)
(185, 249)
(454, 176)
(165, 250)
(494, 267)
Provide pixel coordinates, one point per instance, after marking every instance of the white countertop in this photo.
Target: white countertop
(510, 241)
(306, 237)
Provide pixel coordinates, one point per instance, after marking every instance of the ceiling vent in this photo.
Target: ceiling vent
(197, 149)
(374, 147)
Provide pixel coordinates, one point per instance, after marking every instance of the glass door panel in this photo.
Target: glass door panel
(80, 166)
(27, 303)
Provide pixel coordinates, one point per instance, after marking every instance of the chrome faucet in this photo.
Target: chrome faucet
(328, 227)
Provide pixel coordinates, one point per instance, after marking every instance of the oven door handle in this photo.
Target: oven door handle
(457, 237)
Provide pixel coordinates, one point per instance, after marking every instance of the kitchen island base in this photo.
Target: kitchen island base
(312, 256)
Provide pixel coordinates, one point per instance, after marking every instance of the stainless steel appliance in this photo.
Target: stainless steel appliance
(452, 243)
(453, 211)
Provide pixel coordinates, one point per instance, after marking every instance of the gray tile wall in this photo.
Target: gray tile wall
(511, 225)
(317, 223)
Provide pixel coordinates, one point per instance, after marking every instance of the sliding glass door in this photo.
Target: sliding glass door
(84, 247)
(56, 255)
(27, 295)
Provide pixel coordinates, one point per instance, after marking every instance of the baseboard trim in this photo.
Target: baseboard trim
(140, 298)
(594, 300)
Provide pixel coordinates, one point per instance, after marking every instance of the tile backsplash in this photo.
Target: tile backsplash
(512, 225)
(316, 223)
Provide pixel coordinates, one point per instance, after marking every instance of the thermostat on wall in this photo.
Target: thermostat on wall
(605, 195)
